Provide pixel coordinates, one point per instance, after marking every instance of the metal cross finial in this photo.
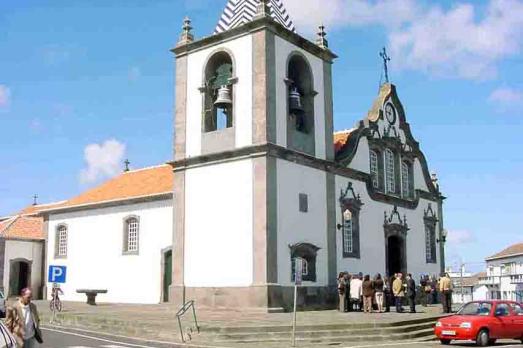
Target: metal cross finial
(187, 36)
(322, 40)
(127, 162)
(35, 200)
(263, 9)
(386, 60)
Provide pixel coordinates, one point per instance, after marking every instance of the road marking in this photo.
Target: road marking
(113, 346)
(124, 337)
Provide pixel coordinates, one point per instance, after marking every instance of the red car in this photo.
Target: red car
(483, 322)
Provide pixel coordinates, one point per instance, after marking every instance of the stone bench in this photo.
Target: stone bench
(91, 295)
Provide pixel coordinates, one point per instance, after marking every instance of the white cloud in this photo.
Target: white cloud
(5, 96)
(458, 42)
(506, 97)
(457, 238)
(102, 160)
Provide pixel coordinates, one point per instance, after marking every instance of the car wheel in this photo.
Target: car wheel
(445, 342)
(483, 338)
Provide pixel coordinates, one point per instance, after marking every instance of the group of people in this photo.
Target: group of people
(361, 293)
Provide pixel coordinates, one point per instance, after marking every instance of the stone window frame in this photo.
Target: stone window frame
(430, 223)
(351, 201)
(375, 163)
(309, 253)
(126, 233)
(58, 232)
(204, 90)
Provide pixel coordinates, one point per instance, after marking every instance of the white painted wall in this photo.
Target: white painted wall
(241, 50)
(28, 251)
(219, 225)
(95, 259)
(507, 274)
(372, 236)
(296, 227)
(283, 51)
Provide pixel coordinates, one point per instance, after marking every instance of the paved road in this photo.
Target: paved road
(67, 338)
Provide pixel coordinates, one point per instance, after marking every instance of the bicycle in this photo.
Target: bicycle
(56, 303)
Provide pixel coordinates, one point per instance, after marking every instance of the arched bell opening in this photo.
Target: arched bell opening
(300, 94)
(218, 93)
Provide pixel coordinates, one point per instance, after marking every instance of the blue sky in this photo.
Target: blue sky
(86, 84)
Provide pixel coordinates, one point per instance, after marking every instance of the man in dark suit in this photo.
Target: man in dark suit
(411, 293)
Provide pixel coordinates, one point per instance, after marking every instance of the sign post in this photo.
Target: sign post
(56, 275)
(298, 273)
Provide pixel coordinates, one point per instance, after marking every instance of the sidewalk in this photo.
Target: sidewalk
(158, 322)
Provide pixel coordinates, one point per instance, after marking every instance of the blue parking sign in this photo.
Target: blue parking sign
(57, 274)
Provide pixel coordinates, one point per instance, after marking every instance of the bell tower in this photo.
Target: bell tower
(253, 101)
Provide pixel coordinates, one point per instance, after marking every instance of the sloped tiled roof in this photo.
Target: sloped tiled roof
(145, 182)
(239, 12)
(23, 227)
(513, 250)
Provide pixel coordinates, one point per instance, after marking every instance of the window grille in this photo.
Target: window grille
(132, 235)
(428, 243)
(405, 180)
(390, 171)
(348, 232)
(62, 241)
(374, 167)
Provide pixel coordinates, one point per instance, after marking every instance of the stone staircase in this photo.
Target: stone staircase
(317, 335)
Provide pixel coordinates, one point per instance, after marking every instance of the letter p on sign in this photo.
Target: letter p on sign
(57, 274)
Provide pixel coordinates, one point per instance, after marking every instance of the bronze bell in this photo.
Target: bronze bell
(295, 104)
(224, 99)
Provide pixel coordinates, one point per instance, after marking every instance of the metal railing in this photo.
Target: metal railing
(185, 308)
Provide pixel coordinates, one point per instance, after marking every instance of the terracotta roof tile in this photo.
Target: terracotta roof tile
(24, 227)
(516, 249)
(341, 138)
(133, 184)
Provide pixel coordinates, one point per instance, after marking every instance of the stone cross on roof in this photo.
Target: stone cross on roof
(239, 12)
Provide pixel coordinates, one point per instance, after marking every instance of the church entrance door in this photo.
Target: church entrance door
(396, 262)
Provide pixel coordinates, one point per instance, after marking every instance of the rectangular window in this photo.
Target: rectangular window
(304, 203)
(390, 171)
(374, 169)
(428, 244)
(132, 242)
(348, 241)
(62, 241)
(405, 180)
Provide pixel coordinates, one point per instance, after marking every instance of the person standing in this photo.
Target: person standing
(423, 289)
(445, 288)
(24, 322)
(411, 293)
(341, 292)
(368, 294)
(355, 293)
(387, 293)
(399, 292)
(379, 291)
(347, 291)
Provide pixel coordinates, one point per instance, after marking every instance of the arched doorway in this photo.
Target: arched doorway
(395, 255)
(19, 276)
(395, 228)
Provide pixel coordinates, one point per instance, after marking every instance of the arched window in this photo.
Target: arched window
(374, 169)
(131, 235)
(218, 93)
(348, 233)
(301, 94)
(61, 241)
(390, 171)
(407, 185)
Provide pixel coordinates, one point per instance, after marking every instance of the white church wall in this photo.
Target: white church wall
(283, 51)
(95, 258)
(24, 250)
(361, 159)
(297, 227)
(419, 178)
(241, 50)
(218, 225)
(372, 236)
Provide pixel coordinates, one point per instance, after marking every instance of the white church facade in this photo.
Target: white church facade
(258, 178)
(254, 124)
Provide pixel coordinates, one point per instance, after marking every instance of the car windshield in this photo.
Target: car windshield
(476, 308)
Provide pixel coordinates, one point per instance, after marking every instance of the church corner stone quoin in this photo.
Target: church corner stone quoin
(260, 176)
